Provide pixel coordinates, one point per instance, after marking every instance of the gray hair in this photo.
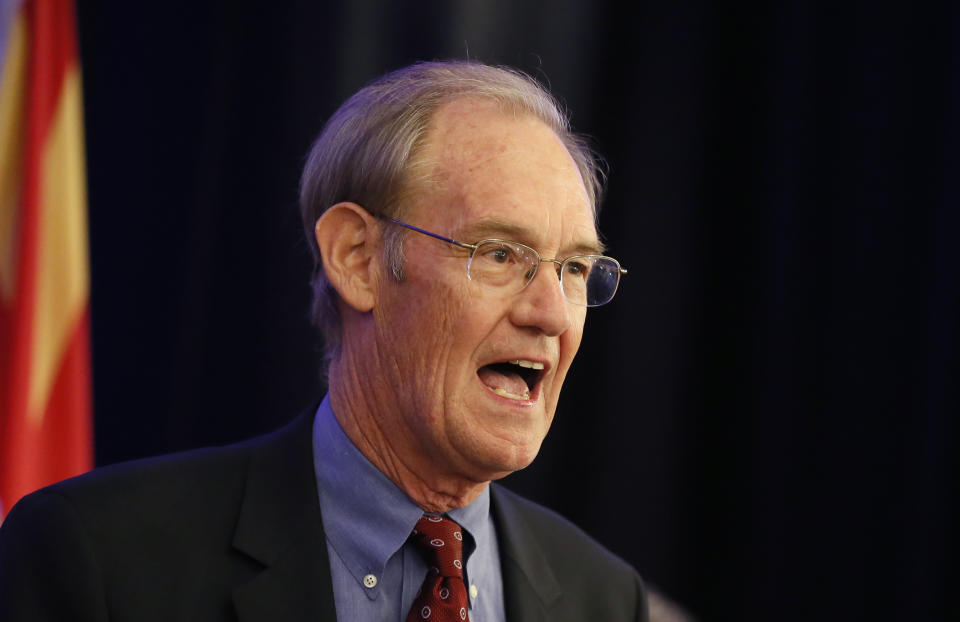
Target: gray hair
(368, 148)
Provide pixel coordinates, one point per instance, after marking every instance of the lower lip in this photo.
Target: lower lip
(534, 396)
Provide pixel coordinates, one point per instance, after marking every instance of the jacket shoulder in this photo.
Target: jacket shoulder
(575, 576)
(153, 490)
(193, 486)
(557, 536)
(147, 539)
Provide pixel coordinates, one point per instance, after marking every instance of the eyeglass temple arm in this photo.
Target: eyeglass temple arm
(432, 235)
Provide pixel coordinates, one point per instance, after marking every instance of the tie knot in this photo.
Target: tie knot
(440, 541)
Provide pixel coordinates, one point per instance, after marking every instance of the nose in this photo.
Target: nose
(541, 304)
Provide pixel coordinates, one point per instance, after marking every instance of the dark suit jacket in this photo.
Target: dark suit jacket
(235, 533)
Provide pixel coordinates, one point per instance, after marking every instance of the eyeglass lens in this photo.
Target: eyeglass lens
(589, 280)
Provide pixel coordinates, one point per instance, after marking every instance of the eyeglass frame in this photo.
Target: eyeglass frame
(560, 263)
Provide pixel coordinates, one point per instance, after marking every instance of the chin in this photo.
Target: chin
(498, 436)
(513, 458)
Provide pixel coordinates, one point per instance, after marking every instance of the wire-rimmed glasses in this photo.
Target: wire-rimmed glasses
(586, 280)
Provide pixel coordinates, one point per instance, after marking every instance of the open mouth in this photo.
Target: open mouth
(512, 379)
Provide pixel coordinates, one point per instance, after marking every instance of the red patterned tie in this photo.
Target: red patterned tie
(443, 596)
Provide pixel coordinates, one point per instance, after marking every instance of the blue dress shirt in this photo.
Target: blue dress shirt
(367, 519)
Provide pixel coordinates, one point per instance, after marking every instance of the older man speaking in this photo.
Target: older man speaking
(452, 217)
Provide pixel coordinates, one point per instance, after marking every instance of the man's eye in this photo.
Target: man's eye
(577, 268)
(500, 255)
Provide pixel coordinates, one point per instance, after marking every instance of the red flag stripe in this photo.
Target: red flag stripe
(51, 44)
(55, 441)
(50, 452)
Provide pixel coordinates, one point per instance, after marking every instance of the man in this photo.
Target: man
(452, 217)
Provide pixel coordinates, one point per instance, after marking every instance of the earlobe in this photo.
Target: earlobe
(348, 237)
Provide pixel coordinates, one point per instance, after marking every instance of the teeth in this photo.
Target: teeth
(513, 396)
(528, 364)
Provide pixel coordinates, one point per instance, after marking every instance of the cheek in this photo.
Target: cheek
(465, 327)
(570, 340)
(569, 344)
(429, 327)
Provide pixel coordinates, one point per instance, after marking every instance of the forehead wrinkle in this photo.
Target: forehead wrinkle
(494, 228)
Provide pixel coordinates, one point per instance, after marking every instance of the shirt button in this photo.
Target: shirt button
(473, 591)
(370, 580)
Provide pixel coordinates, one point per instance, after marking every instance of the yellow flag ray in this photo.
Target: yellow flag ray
(63, 282)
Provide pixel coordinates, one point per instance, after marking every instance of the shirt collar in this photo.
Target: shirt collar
(366, 517)
(474, 518)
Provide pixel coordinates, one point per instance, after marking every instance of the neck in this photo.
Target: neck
(374, 423)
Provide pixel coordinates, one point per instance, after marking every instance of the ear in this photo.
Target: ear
(349, 241)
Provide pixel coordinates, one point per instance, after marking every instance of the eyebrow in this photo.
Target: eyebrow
(492, 228)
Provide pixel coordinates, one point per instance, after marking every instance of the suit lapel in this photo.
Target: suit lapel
(529, 585)
(280, 527)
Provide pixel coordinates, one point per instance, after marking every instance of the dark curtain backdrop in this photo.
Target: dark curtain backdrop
(763, 422)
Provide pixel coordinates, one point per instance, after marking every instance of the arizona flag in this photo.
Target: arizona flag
(45, 380)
